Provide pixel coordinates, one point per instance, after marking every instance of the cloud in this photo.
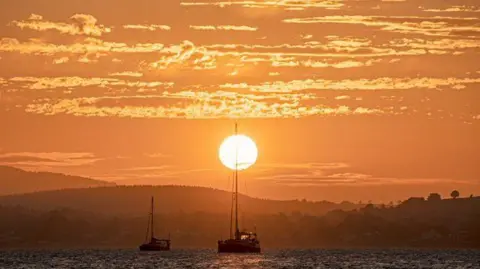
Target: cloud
(127, 74)
(147, 27)
(50, 159)
(324, 174)
(223, 27)
(61, 60)
(257, 53)
(44, 83)
(87, 46)
(304, 166)
(157, 155)
(356, 180)
(185, 55)
(453, 9)
(310, 174)
(429, 26)
(437, 44)
(287, 4)
(35, 17)
(196, 105)
(384, 83)
(272, 99)
(13, 159)
(148, 175)
(147, 168)
(81, 24)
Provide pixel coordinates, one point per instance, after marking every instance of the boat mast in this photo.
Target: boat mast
(231, 209)
(151, 221)
(237, 232)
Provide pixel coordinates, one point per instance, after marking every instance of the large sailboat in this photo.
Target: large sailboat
(242, 241)
(152, 243)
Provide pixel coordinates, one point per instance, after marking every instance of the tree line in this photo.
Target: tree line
(415, 222)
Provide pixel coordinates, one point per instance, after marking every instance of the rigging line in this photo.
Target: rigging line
(246, 191)
(236, 184)
(228, 183)
(148, 229)
(231, 211)
(152, 231)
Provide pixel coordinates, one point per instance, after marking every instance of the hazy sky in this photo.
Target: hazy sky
(346, 100)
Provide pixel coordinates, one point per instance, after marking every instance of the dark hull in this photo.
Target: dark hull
(233, 247)
(151, 247)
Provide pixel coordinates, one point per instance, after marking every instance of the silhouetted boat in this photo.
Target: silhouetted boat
(241, 242)
(152, 243)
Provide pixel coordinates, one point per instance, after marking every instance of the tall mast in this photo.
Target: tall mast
(151, 221)
(231, 209)
(237, 236)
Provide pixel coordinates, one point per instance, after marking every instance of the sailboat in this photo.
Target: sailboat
(152, 243)
(240, 242)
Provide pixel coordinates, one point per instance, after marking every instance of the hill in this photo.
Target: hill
(134, 200)
(451, 223)
(16, 181)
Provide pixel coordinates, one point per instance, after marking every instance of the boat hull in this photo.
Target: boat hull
(238, 246)
(151, 247)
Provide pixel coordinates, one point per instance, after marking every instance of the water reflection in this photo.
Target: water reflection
(209, 258)
(237, 260)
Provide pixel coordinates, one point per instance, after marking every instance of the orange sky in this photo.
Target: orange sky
(347, 100)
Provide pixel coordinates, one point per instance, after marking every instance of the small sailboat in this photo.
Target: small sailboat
(152, 243)
(240, 242)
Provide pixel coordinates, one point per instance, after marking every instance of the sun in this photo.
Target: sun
(238, 149)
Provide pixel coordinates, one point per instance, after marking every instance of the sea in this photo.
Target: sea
(208, 258)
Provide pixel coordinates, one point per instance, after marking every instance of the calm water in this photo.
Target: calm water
(270, 259)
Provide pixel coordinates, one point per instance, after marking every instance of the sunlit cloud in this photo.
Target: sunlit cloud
(322, 174)
(81, 24)
(223, 67)
(307, 165)
(147, 27)
(185, 55)
(223, 27)
(430, 26)
(453, 9)
(127, 74)
(147, 168)
(310, 173)
(195, 105)
(43, 83)
(437, 44)
(204, 57)
(51, 159)
(287, 4)
(347, 84)
(327, 50)
(157, 155)
(343, 97)
(61, 60)
(352, 179)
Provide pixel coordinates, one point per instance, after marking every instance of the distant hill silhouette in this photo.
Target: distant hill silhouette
(134, 200)
(16, 181)
(448, 223)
